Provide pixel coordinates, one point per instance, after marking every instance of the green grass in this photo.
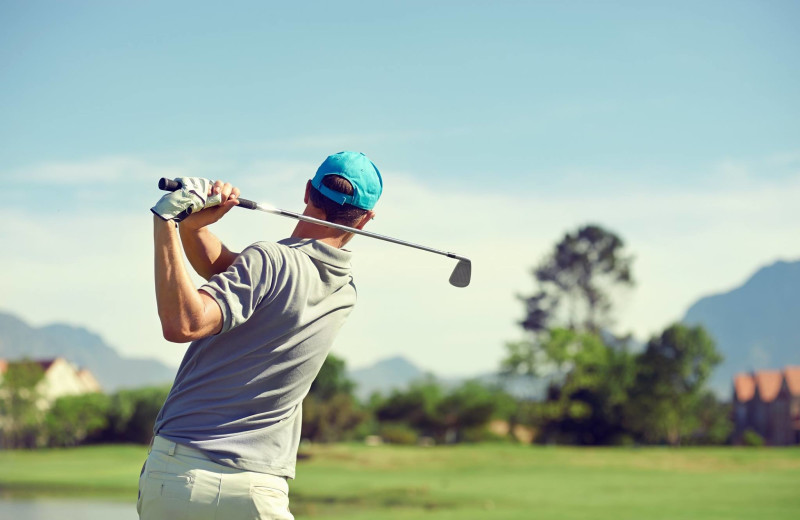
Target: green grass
(483, 481)
(110, 471)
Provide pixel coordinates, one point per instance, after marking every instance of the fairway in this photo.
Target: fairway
(473, 481)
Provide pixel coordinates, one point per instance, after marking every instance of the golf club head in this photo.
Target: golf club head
(462, 273)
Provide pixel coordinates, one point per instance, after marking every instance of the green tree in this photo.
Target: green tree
(21, 406)
(714, 420)
(465, 411)
(332, 379)
(335, 419)
(587, 406)
(133, 414)
(75, 419)
(575, 281)
(417, 407)
(567, 342)
(669, 389)
(574, 291)
(330, 410)
(447, 416)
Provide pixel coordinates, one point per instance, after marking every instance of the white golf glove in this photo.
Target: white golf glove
(190, 198)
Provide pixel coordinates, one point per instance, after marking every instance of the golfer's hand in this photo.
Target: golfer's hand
(227, 196)
(192, 197)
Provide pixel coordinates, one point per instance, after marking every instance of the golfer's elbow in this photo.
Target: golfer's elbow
(200, 323)
(176, 334)
(180, 329)
(191, 319)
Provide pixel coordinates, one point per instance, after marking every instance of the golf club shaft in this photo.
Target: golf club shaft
(171, 185)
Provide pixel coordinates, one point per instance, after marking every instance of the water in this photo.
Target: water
(65, 509)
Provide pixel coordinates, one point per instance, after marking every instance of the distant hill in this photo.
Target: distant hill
(19, 340)
(756, 325)
(397, 373)
(384, 376)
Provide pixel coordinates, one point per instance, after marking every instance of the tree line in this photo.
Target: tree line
(602, 389)
(331, 412)
(27, 421)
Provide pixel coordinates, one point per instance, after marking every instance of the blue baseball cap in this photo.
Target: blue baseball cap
(359, 170)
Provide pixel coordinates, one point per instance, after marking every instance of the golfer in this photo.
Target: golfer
(226, 438)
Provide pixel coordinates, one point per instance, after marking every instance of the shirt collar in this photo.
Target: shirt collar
(320, 251)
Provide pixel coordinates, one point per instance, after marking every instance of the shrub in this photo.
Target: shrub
(483, 434)
(751, 438)
(398, 433)
(75, 419)
(338, 418)
(133, 413)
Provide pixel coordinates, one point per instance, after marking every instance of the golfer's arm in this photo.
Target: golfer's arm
(186, 314)
(207, 254)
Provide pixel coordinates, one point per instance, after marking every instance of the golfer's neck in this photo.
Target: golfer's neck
(332, 237)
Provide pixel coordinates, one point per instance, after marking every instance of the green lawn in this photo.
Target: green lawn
(485, 481)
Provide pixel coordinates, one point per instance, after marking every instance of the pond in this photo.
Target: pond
(66, 509)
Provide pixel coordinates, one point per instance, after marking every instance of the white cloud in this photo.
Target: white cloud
(104, 170)
(95, 269)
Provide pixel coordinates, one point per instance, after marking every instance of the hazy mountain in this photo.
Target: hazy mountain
(397, 373)
(19, 340)
(384, 376)
(756, 325)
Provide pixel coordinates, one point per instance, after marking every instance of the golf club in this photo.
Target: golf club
(459, 278)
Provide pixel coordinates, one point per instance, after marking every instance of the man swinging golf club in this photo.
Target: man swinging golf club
(226, 438)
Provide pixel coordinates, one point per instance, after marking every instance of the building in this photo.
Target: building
(60, 378)
(767, 402)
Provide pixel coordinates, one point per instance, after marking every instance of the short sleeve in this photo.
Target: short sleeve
(242, 287)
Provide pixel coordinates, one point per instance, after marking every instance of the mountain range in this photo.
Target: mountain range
(18, 340)
(385, 375)
(397, 373)
(755, 326)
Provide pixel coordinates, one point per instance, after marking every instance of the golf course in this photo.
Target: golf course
(502, 481)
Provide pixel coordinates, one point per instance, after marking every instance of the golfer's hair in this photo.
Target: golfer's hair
(345, 214)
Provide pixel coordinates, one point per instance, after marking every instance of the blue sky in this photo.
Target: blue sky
(526, 87)
(498, 126)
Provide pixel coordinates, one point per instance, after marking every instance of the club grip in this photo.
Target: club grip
(165, 184)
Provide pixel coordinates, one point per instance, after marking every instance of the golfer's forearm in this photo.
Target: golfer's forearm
(207, 254)
(183, 312)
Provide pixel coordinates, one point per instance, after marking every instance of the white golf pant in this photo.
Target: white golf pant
(179, 482)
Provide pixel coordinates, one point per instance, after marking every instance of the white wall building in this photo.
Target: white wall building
(60, 378)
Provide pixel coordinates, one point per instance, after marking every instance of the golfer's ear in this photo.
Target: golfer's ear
(306, 198)
(369, 215)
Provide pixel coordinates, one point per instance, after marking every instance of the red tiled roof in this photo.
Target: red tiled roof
(792, 375)
(768, 383)
(743, 387)
(3, 366)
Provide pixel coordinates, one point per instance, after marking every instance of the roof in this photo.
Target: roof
(89, 380)
(744, 387)
(792, 375)
(44, 363)
(768, 384)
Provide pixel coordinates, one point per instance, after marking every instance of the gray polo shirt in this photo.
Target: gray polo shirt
(238, 395)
